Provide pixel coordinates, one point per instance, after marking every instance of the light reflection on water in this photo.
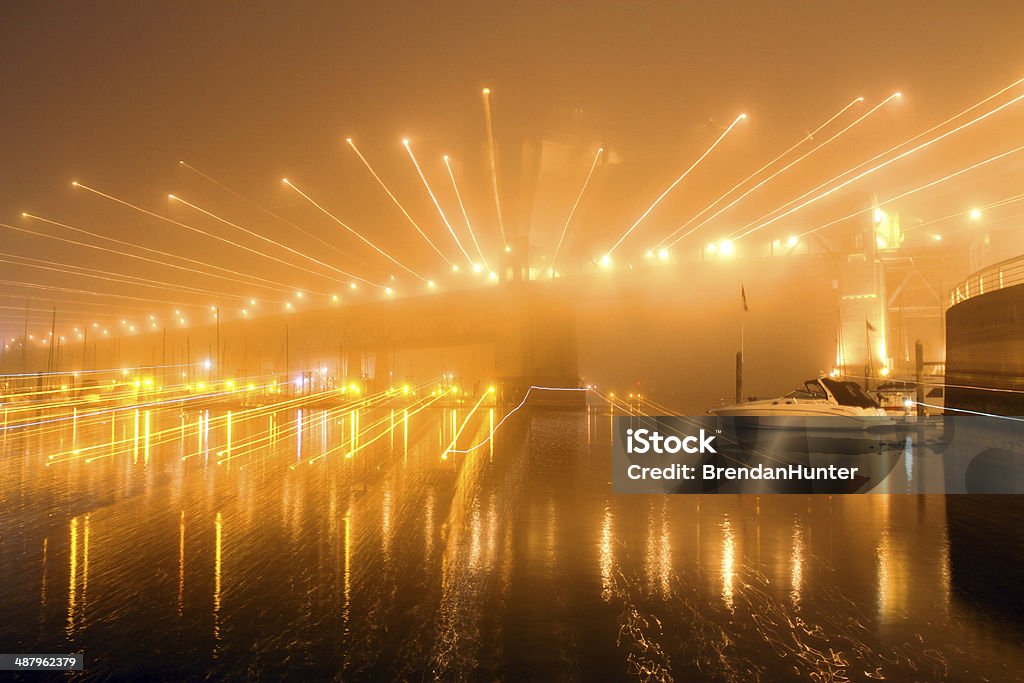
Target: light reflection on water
(239, 542)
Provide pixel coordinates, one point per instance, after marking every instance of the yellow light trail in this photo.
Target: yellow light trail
(423, 404)
(1002, 202)
(224, 240)
(492, 157)
(511, 413)
(54, 288)
(38, 314)
(178, 199)
(462, 427)
(988, 225)
(462, 206)
(898, 146)
(354, 232)
(433, 198)
(261, 281)
(916, 189)
(397, 203)
(293, 226)
(725, 208)
(121, 278)
(169, 434)
(895, 95)
(250, 444)
(572, 211)
(881, 166)
(608, 254)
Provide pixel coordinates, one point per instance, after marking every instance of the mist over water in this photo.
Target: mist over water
(513, 562)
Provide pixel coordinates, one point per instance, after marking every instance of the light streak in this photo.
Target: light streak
(270, 213)
(187, 227)
(397, 203)
(969, 212)
(492, 157)
(462, 427)
(408, 148)
(685, 173)
(263, 282)
(880, 166)
(70, 269)
(54, 288)
(267, 239)
(354, 232)
(512, 412)
(465, 215)
(915, 190)
(809, 136)
(902, 144)
(572, 211)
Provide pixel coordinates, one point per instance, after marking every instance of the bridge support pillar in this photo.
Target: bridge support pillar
(536, 346)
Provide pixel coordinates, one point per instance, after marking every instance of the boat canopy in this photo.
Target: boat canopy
(848, 393)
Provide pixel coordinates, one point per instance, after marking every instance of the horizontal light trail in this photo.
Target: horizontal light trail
(120, 278)
(251, 280)
(417, 407)
(53, 288)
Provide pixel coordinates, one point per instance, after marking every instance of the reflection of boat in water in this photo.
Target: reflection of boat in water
(822, 403)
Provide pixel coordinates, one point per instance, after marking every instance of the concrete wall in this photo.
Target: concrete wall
(985, 348)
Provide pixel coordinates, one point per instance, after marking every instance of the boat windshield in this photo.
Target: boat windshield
(812, 387)
(849, 394)
(810, 391)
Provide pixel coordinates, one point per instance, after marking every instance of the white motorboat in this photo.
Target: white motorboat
(822, 403)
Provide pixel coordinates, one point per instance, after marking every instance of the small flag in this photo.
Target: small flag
(743, 294)
(871, 328)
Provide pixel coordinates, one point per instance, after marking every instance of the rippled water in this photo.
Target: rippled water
(168, 545)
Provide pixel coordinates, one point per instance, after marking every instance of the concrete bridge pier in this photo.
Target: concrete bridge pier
(535, 345)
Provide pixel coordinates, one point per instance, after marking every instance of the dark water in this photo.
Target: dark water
(512, 562)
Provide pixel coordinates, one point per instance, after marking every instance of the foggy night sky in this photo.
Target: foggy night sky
(114, 94)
